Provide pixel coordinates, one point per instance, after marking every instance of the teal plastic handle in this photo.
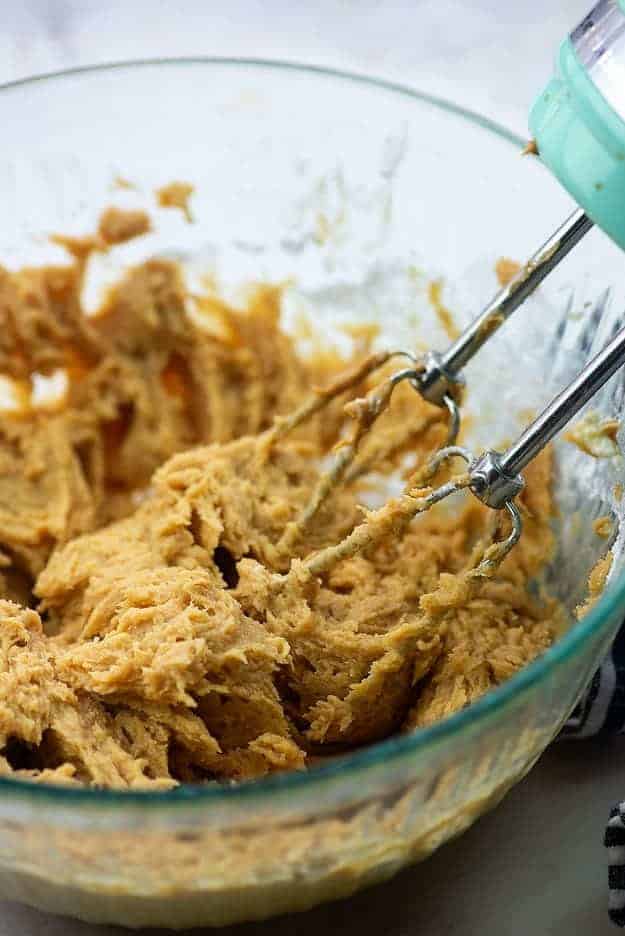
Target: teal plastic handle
(581, 138)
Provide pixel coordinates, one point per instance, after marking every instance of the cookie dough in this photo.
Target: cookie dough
(172, 608)
(176, 195)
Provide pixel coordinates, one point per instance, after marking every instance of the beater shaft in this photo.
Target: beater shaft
(495, 476)
(441, 370)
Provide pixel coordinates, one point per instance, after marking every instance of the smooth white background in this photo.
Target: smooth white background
(536, 864)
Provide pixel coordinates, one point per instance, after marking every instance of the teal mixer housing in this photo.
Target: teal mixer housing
(578, 122)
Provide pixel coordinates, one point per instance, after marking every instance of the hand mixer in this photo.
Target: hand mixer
(578, 124)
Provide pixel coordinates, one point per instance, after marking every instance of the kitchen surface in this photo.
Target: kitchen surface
(536, 864)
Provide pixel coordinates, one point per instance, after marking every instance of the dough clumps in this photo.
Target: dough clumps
(154, 626)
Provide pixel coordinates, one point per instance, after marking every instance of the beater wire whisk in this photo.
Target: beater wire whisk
(493, 477)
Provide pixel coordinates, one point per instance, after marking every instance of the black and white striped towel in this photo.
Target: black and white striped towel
(601, 710)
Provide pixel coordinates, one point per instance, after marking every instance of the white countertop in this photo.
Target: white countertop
(536, 864)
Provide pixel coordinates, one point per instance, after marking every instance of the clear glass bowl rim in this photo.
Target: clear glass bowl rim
(395, 748)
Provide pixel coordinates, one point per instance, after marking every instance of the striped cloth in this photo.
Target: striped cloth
(615, 844)
(601, 710)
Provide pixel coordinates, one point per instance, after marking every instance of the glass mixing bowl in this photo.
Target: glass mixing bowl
(358, 193)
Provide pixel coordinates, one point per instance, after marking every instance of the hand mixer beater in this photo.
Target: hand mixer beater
(578, 125)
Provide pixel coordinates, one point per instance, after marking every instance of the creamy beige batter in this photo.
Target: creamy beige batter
(166, 616)
(176, 195)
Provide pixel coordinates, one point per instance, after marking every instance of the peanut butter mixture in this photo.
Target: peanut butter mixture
(185, 595)
(595, 435)
(176, 195)
(506, 270)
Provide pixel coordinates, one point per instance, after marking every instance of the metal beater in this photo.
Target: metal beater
(578, 125)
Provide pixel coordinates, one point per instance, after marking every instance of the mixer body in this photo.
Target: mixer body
(578, 121)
